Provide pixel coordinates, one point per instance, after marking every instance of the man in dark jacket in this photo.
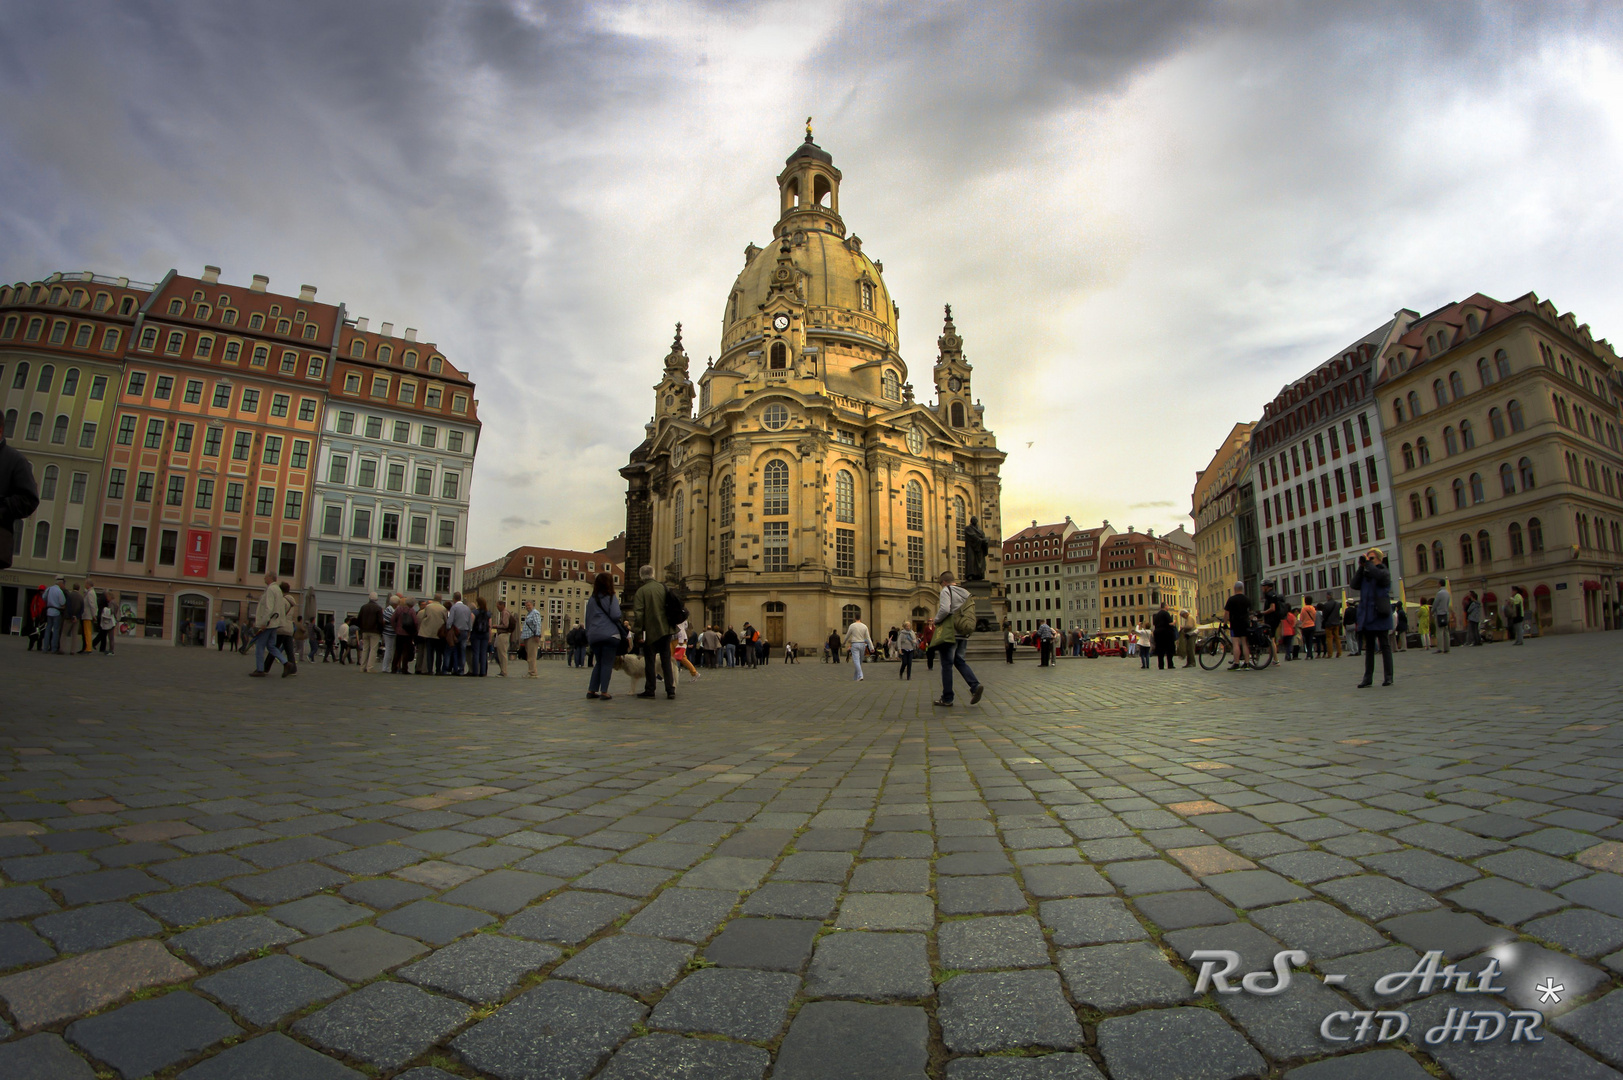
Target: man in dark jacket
(371, 626)
(19, 496)
(1374, 584)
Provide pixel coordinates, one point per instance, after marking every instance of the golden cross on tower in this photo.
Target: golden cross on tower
(808, 129)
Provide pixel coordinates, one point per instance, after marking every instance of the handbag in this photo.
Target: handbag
(625, 638)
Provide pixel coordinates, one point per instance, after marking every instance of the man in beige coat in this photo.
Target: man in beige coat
(270, 620)
(430, 621)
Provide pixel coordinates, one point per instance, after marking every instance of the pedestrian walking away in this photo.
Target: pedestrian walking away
(1441, 615)
(649, 607)
(954, 622)
(858, 642)
(271, 618)
(530, 636)
(605, 636)
(907, 642)
(19, 496)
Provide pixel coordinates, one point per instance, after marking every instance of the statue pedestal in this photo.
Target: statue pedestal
(991, 611)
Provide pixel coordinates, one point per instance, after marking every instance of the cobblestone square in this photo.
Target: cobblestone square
(788, 873)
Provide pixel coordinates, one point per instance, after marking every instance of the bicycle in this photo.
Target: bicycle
(1218, 647)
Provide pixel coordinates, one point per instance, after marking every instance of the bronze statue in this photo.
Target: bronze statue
(975, 545)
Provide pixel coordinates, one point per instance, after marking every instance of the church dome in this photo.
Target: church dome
(835, 276)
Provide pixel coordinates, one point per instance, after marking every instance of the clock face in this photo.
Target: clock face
(955, 384)
(915, 441)
(780, 322)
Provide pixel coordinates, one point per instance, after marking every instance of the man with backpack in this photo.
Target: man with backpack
(954, 622)
(657, 610)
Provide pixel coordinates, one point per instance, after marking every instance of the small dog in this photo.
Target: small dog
(636, 669)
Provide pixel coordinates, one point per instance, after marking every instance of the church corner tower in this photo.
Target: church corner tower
(800, 485)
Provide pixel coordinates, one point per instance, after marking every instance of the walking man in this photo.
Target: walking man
(271, 619)
(954, 601)
(502, 628)
(1440, 608)
(371, 622)
(858, 641)
(530, 635)
(648, 606)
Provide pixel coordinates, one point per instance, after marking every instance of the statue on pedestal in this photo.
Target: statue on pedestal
(975, 546)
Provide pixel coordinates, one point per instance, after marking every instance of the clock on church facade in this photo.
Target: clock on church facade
(798, 485)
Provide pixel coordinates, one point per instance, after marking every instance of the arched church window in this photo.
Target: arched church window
(845, 503)
(867, 297)
(678, 512)
(727, 500)
(775, 489)
(890, 386)
(849, 614)
(958, 414)
(959, 520)
(915, 506)
(780, 356)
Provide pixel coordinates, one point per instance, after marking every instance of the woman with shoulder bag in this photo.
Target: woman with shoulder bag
(604, 636)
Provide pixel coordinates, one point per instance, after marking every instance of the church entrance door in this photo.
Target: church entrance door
(774, 630)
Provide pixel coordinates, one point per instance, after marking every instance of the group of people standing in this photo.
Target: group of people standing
(61, 615)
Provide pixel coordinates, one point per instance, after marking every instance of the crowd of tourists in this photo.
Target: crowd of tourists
(72, 619)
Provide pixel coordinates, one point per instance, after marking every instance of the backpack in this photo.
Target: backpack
(675, 613)
(108, 621)
(963, 617)
(36, 606)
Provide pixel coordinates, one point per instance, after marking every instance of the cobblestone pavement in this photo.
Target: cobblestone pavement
(788, 873)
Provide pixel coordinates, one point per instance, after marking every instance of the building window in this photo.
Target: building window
(1525, 468)
(183, 438)
(273, 450)
(402, 431)
(138, 545)
(915, 558)
(345, 424)
(367, 475)
(726, 500)
(357, 573)
(1484, 547)
(414, 577)
(915, 506)
(154, 435)
(845, 552)
(849, 614)
(454, 441)
(1422, 450)
(332, 519)
(242, 445)
(289, 561)
(261, 356)
(307, 410)
(380, 386)
(205, 494)
(775, 545)
(775, 489)
(327, 572)
(42, 540)
(1437, 555)
(338, 470)
(233, 498)
(168, 543)
(352, 383)
(425, 482)
(47, 484)
(1467, 551)
(1431, 503)
(429, 436)
(1420, 560)
(442, 578)
(222, 396)
(397, 478)
(1535, 535)
(386, 574)
(419, 531)
(115, 483)
(1507, 479)
(301, 454)
(391, 528)
(447, 533)
(1451, 442)
(258, 556)
(1516, 546)
(890, 386)
(293, 505)
(844, 497)
(374, 428)
(1514, 409)
(109, 542)
(775, 417)
(1477, 493)
(279, 403)
(265, 503)
(1459, 494)
(678, 512)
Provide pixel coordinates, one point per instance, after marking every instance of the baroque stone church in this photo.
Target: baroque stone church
(799, 485)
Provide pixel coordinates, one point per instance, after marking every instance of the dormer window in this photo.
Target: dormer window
(256, 321)
(357, 348)
(890, 386)
(867, 296)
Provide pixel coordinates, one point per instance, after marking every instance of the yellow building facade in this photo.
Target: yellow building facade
(797, 484)
(1215, 509)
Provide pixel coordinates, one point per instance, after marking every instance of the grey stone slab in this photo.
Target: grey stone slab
(25, 901)
(628, 962)
(1524, 965)
(979, 895)
(1147, 876)
(1177, 910)
(1007, 1010)
(1356, 844)
(741, 1004)
(755, 843)
(265, 990)
(992, 942)
(1176, 1044)
(826, 866)
(296, 849)
(1310, 867)
(1457, 935)
(635, 881)
(847, 1040)
(1111, 978)
(200, 868)
(503, 892)
(286, 883)
(971, 863)
(727, 874)
(1556, 842)
(95, 927)
(1286, 1026)
(684, 914)
(19, 947)
(558, 1031)
(1097, 828)
(222, 942)
(1362, 970)
(366, 833)
(1532, 868)
(891, 876)
(1447, 840)
(566, 862)
(319, 914)
(1046, 1067)
(1422, 869)
(1505, 901)
(1501, 1060)
(1597, 1026)
(665, 854)
(568, 918)
(1256, 949)
(1261, 845)
(1580, 931)
(766, 944)
(221, 839)
(145, 1036)
(482, 968)
(385, 1024)
(671, 1057)
(433, 922)
(378, 859)
(385, 893)
(1254, 888)
(189, 906)
(1603, 892)
(105, 885)
(797, 900)
(886, 911)
(819, 839)
(1318, 929)
(899, 845)
(271, 1057)
(874, 967)
(1090, 921)
(42, 1057)
(359, 953)
(1375, 897)
(1224, 826)
(1369, 1065)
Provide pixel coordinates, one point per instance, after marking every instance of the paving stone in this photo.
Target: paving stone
(992, 942)
(271, 1057)
(426, 1072)
(1046, 1067)
(503, 891)
(1224, 826)
(286, 883)
(1457, 935)
(82, 984)
(727, 874)
(635, 881)
(1375, 897)
(319, 914)
(1056, 882)
(265, 990)
(826, 866)
(1555, 841)
(886, 911)
(629, 963)
(25, 901)
(1597, 1026)
(1097, 828)
(991, 1011)
(105, 885)
(1261, 845)
(1310, 867)
(767, 944)
(1579, 930)
(433, 922)
(901, 846)
(1210, 859)
(568, 918)
(441, 841)
(748, 1005)
(1254, 888)
(222, 839)
(1256, 949)
(1176, 1044)
(874, 967)
(668, 855)
(1422, 869)
(684, 914)
(1287, 1026)
(566, 862)
(1553, 1056)
(1177, 910)
(385, 1024)
(200, 868)
(1362, 970)
(1147, 876)
(979, 895)
(1505, 901)
(366, 833)
(42, 1057)
(95, 927)
(378, 859)
(972, 863)
(1090, 921)
(820, 839)
(791, 899)
(1318, 929)
(559, 1030)
(670, 1057)
(1369, 1065)
(1531, 868)
(1603, 892)
(1447, 840)
(1111, 978)
(145, 1036)
(293, 850)
(222, 942)
(482, 968)
(756, 843)
(1357, 844)
(385, 893)
(19, 947)
(846, 1040)
(359, 953)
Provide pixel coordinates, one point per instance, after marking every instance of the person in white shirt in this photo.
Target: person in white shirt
(859, 641)
(946, 641)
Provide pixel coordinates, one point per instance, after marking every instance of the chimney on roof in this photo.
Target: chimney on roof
(1150, 533)
(211, 275)
(360, 324)
(307, 293)
(260, 281)
(411, 333)
(1033, 523)
(386, 329)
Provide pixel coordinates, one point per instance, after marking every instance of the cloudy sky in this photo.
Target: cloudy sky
(1148, 215)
